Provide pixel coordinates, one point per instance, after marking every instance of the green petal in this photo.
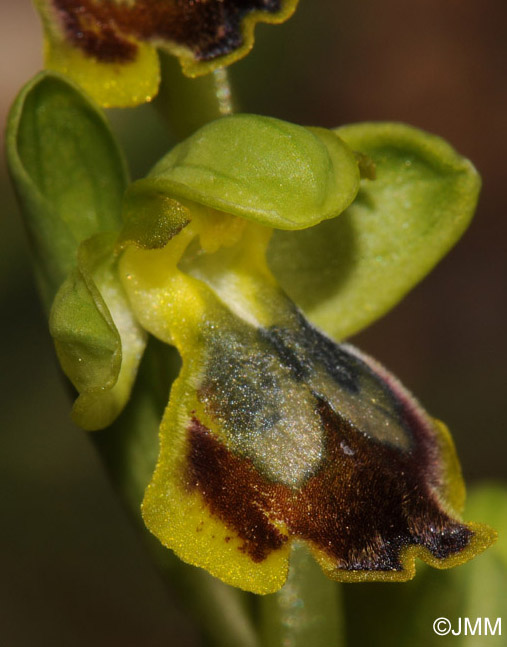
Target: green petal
(98, 341)
(86, 339)
(68, 173)
(275, 173)
(348, 272)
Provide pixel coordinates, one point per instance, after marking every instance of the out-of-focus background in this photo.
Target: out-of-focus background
(72, 570)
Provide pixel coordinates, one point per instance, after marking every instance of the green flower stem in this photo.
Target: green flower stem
(221, 611)
(187, 104)
(306, 611)
(129, 449)
(223, 91)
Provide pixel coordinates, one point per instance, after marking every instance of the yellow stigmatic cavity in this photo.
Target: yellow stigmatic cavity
(275, 433)
(108, 46)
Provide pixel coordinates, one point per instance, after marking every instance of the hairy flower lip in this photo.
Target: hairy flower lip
(274, 433)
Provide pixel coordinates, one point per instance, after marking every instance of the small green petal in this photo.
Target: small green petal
(97, 339)
(275, 173)
(348, 272)
(87, 342)
(68, 173)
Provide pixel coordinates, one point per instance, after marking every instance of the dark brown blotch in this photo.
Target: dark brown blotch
(366, 503)
(233, 490)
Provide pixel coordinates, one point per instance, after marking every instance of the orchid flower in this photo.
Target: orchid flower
(255, 247)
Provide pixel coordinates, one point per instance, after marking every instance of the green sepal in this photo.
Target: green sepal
(97, 339)
(151, 218)
(68, 173)
(269, 171)
(347, 272)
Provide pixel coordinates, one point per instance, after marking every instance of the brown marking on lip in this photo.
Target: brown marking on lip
(233, 490)
(209, 28)
(362, 508)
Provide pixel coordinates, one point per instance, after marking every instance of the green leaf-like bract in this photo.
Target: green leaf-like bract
(349, 271)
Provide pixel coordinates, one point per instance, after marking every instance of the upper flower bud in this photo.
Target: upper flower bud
(108, 46)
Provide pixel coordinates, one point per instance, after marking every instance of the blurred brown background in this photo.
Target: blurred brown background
(72, 571)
